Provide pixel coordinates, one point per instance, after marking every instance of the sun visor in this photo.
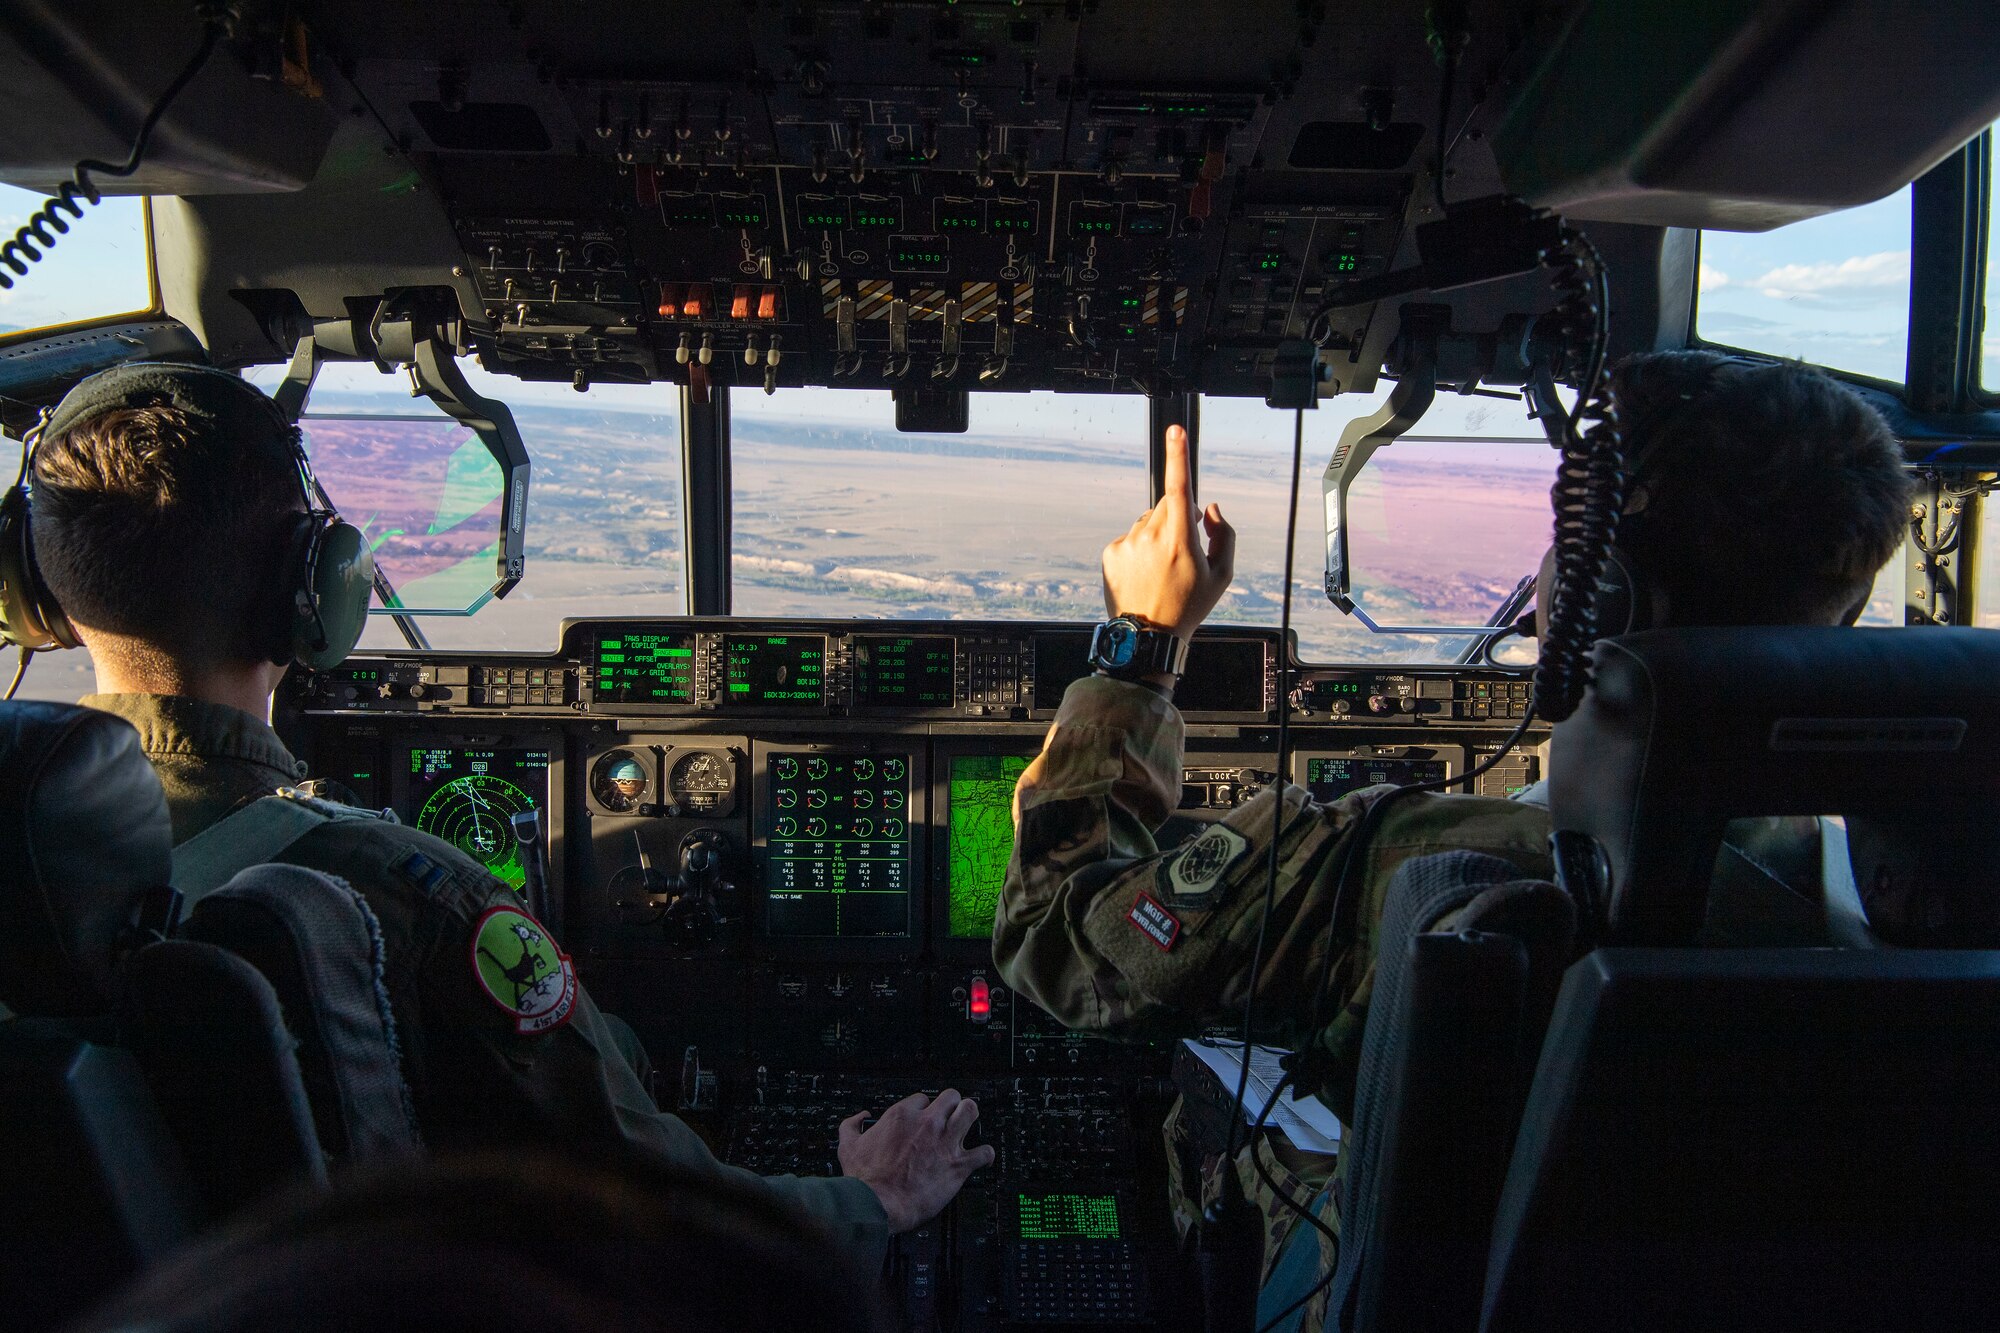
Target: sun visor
(1743, 115)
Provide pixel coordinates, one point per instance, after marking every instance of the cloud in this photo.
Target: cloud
(1711, 279)
(1847, 278)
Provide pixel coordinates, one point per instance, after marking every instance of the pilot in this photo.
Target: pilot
(166, 502)
(1756, 495)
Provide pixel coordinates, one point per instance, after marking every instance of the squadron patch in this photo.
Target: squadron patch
(1193, 875)
(521, 970)
(1155, 922)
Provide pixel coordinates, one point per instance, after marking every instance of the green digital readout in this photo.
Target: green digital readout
(903, 670)
(958, 215)
(878, 215)
(741, 210)
(1268, 261)
(1014, 217)
(918, 254)
(1060, 1215)
(1342, 262)
(1148, 219)
(1088, 221)
(979, 839)
(774, 671)
(687, 210)
(645, 668)
(822, 212)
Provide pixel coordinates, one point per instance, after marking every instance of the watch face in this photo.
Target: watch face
(1116, 643)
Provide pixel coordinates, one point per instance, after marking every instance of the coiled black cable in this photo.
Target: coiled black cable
(1589, 490)
(39, 234)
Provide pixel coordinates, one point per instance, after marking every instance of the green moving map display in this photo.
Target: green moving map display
(980, 839)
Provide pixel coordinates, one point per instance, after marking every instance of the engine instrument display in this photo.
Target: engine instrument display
(1331, 777)
(703, 782)
(622, 781)
(903, 671)
(979, 839)
(467, 795)
(840, 847)
(774, 671)
(634, 667)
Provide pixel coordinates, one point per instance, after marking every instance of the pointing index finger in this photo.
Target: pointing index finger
(1176, 484)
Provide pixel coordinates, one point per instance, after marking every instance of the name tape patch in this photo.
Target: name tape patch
(1155, 922)
(521, 970)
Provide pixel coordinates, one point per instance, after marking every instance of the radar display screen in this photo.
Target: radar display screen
(466, 796)
(979, 838)
(840, 845)
(1332, 777)
(774, 671)
(638, 668)
(903, 671)
(1064, 1215)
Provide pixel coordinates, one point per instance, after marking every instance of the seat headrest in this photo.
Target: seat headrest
(83, 834)
(1684, 730)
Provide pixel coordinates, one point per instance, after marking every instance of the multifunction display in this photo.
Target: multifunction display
(979, 839)
(774, 671)
(1334, 776)
(639, 668)
(903, 671)
(1064, 1215)
(839, 851)
(466, 795)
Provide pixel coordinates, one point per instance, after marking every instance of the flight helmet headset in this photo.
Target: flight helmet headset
(324, 580)
(1624, 603)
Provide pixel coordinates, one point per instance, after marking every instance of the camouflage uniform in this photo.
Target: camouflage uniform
(478, 1080)
(1105, 932)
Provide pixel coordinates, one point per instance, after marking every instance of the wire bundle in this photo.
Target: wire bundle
(1589, 490)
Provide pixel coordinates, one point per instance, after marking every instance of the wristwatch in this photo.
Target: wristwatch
(1125, 649)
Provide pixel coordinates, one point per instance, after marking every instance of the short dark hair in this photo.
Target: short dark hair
(151, 523)
(1757, 493)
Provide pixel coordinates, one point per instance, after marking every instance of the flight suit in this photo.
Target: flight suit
(1105, 932)
(480, 1077)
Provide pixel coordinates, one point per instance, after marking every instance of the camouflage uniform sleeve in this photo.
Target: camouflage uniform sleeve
(1105, 932)
(491, 1065)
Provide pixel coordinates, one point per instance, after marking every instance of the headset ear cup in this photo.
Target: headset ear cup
(30, 616)
(338, 581)
(1618, 600)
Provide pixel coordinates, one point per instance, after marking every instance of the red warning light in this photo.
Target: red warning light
(980, 1005)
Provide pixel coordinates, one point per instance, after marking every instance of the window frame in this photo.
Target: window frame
(152, 310)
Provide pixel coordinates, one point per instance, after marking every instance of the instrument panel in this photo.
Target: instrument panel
(777, 848)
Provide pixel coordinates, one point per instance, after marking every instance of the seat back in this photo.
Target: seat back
(1750, 1138)
(1684, 730)
(95, 1187)
(209, 1033)
(1470, 955)
(319, 945)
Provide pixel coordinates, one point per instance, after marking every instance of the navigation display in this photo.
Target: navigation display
(839, 861)
(466, 795)
(1331, 777)
(639, 668)
(979, 839)
(903, 671)
(1064, 1215)
(774, 671)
